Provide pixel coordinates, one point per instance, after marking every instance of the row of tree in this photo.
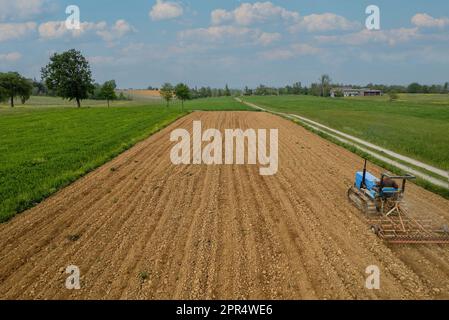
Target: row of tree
(412, 88)
(208, 92)
(107, 91)
(324, 86)
(181, 91)
(13, 85)
(68, 75)
(318, 89)
(321, 88)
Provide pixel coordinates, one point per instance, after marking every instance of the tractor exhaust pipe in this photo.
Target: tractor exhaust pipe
(363, 185)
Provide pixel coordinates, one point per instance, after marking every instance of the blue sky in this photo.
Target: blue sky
(210, 42)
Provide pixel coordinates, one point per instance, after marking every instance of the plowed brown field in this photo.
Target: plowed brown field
(217, 232)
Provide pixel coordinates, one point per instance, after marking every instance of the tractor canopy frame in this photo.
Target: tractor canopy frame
(388, 217)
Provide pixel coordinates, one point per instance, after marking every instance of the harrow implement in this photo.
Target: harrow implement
(403, 229)
(382, 202)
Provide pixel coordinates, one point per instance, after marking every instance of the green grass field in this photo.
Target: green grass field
(208, 104)
(415, 125)
(44, 102)
(48, 143)
(432, 99)
(44, 147)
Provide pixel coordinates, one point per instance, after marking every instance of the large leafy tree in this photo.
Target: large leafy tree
(14, 85)
(182, 92)
(107, 91)
(69, 75)
(167, 92)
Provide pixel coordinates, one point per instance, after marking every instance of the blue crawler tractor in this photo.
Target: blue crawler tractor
(382, 201)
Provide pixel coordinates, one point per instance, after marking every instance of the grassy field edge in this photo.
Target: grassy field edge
(94, 164)
(420, 182)
(411, 127)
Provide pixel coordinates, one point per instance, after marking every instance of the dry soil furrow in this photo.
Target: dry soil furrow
(115, 221)
(76, 214)
(335, 222)
(67, 202)
(151, 230)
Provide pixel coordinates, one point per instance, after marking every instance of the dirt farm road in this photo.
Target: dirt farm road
(217, 232)
(374, 150)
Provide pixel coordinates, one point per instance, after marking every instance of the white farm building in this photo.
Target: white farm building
(351, 92)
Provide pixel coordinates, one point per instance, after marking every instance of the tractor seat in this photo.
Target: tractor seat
(390, 191)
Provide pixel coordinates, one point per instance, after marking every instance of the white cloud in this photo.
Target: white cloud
(236, 34)
(117, 31)
(12, 31)
(52, 29)
(21, 9)
(267, 38)
(58, 29)
(390, 37)
(325, 22)
(164, 10)
(423, 20)
(217, 33)
(250, 13)
(220, 15)
(290, 52)
(235, 26)
(10, 57)
(261, 12)
(101, 60)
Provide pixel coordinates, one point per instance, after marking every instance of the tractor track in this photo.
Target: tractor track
(146, 229)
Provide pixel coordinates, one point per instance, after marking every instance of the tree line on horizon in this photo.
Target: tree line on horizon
(321, 88)
(68, 75)
(324, 86)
